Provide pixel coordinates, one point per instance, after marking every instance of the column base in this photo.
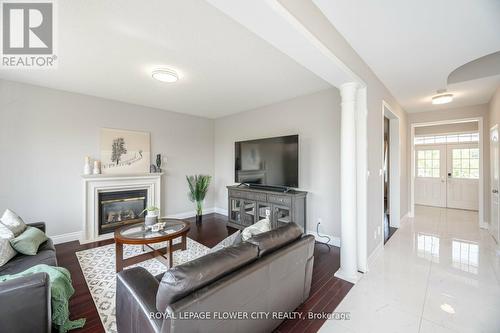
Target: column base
(349, 278)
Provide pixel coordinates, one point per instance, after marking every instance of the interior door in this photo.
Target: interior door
(430, 175)
(495, 175)
(463, 176)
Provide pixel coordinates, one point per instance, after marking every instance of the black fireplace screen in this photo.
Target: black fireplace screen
(120, 208)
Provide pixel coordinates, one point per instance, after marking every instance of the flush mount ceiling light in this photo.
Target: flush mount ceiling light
(442, 97)
(447, 308)
(165, 75)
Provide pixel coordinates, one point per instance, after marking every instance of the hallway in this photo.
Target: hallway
(438, 273)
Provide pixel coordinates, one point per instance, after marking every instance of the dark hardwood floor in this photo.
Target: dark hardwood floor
(326, 291)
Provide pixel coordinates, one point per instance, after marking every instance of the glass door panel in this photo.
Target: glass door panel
(282, 215)
(235, 210)
(263, 209)
(248, 212)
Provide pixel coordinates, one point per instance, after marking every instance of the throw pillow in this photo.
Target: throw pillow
(13, 222)
(232, 239)
(255, 229)
(28, 242)
(6, 250)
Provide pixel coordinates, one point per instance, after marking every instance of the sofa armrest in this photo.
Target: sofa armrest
(136, 301)
(39, 225)
(25, 304)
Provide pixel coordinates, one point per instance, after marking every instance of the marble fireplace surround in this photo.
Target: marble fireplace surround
(95, 184)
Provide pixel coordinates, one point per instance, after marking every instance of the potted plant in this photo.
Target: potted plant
(198, 188)
(151, 216)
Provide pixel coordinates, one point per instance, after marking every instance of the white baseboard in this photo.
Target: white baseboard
(72, 236)
(64, 238)
(221, 211)
(374, 255)
(484, 225)
(335, 241)
(189, 214)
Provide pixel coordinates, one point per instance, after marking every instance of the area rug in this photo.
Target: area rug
(98, 267)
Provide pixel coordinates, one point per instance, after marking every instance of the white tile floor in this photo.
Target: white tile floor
(438, 273)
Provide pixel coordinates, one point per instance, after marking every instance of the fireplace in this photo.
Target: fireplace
(120, 208)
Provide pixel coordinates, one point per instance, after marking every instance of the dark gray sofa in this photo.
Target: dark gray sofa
(25, 302)
(270, 272)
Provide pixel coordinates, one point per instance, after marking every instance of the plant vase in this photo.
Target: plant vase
(151, 219)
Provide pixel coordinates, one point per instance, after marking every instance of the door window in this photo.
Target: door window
(465, 163)
(428, 163)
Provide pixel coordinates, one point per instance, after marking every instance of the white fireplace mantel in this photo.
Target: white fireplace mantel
(95, 184)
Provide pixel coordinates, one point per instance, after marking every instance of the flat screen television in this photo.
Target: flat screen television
(268, 162)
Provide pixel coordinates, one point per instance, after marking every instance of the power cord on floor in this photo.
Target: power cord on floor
(320, 236)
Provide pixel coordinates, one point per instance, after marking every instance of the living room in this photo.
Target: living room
(161, 161)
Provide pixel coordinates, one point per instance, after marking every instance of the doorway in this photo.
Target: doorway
(447, 165)
(447, 175)
(390, 172)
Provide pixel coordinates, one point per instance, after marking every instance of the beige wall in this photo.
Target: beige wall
(455, 114)
(312, 18)
(45, 134)
(447, 128)
(316, 119)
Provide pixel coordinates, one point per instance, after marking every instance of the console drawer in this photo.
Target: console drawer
(280, 200)
(248, 195)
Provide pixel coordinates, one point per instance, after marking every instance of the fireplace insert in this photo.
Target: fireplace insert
(120, 208)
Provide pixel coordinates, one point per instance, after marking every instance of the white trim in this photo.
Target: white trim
(68, 237)
(334, 240)
(480, 120)
(484, 225)
(221, 211)
(379, 251)
(361, 178)
(189, 214)
(394, 168)
(72, 236)
(93, 185)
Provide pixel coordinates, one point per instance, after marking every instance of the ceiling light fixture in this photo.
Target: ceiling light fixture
(447, 308)
(442, 97)
(165, 75)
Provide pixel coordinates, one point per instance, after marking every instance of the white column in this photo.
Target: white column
(348, 245)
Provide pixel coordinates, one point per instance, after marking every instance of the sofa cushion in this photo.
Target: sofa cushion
(256, 228)
(233, 239)
(13, 222)
(46, 255)
(184, 279)
(28, 242)
(270, 241)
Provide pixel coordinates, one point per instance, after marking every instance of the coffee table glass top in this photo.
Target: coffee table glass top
(141, 231)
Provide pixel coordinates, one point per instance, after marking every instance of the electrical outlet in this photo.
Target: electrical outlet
(379, 229)
(320, 220)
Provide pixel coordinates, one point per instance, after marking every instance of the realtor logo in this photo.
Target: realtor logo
(28, 34)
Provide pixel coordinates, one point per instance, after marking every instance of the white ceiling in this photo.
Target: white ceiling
(108, 49)
(412, 46)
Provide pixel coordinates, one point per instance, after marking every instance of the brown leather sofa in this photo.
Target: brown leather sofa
(269, 273)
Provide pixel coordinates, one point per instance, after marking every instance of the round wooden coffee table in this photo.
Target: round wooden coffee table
(140, 234)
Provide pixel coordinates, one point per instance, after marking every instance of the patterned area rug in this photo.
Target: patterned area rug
(98, 267)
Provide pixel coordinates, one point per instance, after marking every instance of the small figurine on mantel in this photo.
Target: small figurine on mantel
(97, 167)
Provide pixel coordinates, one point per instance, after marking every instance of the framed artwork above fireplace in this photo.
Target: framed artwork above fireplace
(124, 151)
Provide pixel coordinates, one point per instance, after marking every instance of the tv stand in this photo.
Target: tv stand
(282, 189)
(248, 203)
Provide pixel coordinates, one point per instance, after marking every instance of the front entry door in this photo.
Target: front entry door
(495, 186)
(430, 175)
(463, 176)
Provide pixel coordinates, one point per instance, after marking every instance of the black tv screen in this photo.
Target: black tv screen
(271, 161)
